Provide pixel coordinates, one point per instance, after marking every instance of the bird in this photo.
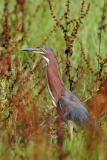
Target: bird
(68, 106)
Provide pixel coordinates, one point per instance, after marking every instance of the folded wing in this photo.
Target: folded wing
(72, 109)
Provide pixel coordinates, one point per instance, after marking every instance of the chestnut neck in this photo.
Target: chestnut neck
(55, 85)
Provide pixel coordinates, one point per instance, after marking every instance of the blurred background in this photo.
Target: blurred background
(77, 32)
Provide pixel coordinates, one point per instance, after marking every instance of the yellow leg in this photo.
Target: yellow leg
(71, 131)
(70, 125)
(71, 135)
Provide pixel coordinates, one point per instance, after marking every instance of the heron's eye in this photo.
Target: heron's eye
(43, 49)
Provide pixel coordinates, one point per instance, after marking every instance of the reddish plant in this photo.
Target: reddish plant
(98, 107)
(85, 59)
(69, 35)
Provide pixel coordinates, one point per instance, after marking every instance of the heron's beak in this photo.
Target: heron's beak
(39, 50)
(35, 50)
(31, 49)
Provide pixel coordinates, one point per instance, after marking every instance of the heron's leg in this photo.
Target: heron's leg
(71, 131)
(71, 126)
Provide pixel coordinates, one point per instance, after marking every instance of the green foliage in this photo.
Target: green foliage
(29, 126)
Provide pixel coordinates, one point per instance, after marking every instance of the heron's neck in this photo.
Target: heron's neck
(55, 85)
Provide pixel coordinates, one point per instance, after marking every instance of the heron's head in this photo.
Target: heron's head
(45, 51)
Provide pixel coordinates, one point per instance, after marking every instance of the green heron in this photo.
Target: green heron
(68, 106)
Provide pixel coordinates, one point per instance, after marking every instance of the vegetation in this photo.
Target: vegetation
(30, 128)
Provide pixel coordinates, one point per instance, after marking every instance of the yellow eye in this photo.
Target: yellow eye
(43, 49)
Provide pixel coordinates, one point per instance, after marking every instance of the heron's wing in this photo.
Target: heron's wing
(72, 110)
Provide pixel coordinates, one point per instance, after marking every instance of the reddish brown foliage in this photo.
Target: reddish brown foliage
(40, 5)
(21, 2)
(5, 25)
(68, 34)
(25, 114)
(5, 65)
(79, 77)
(98, 107)
(85, 59)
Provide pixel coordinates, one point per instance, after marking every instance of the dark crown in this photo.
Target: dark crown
(46, 48)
